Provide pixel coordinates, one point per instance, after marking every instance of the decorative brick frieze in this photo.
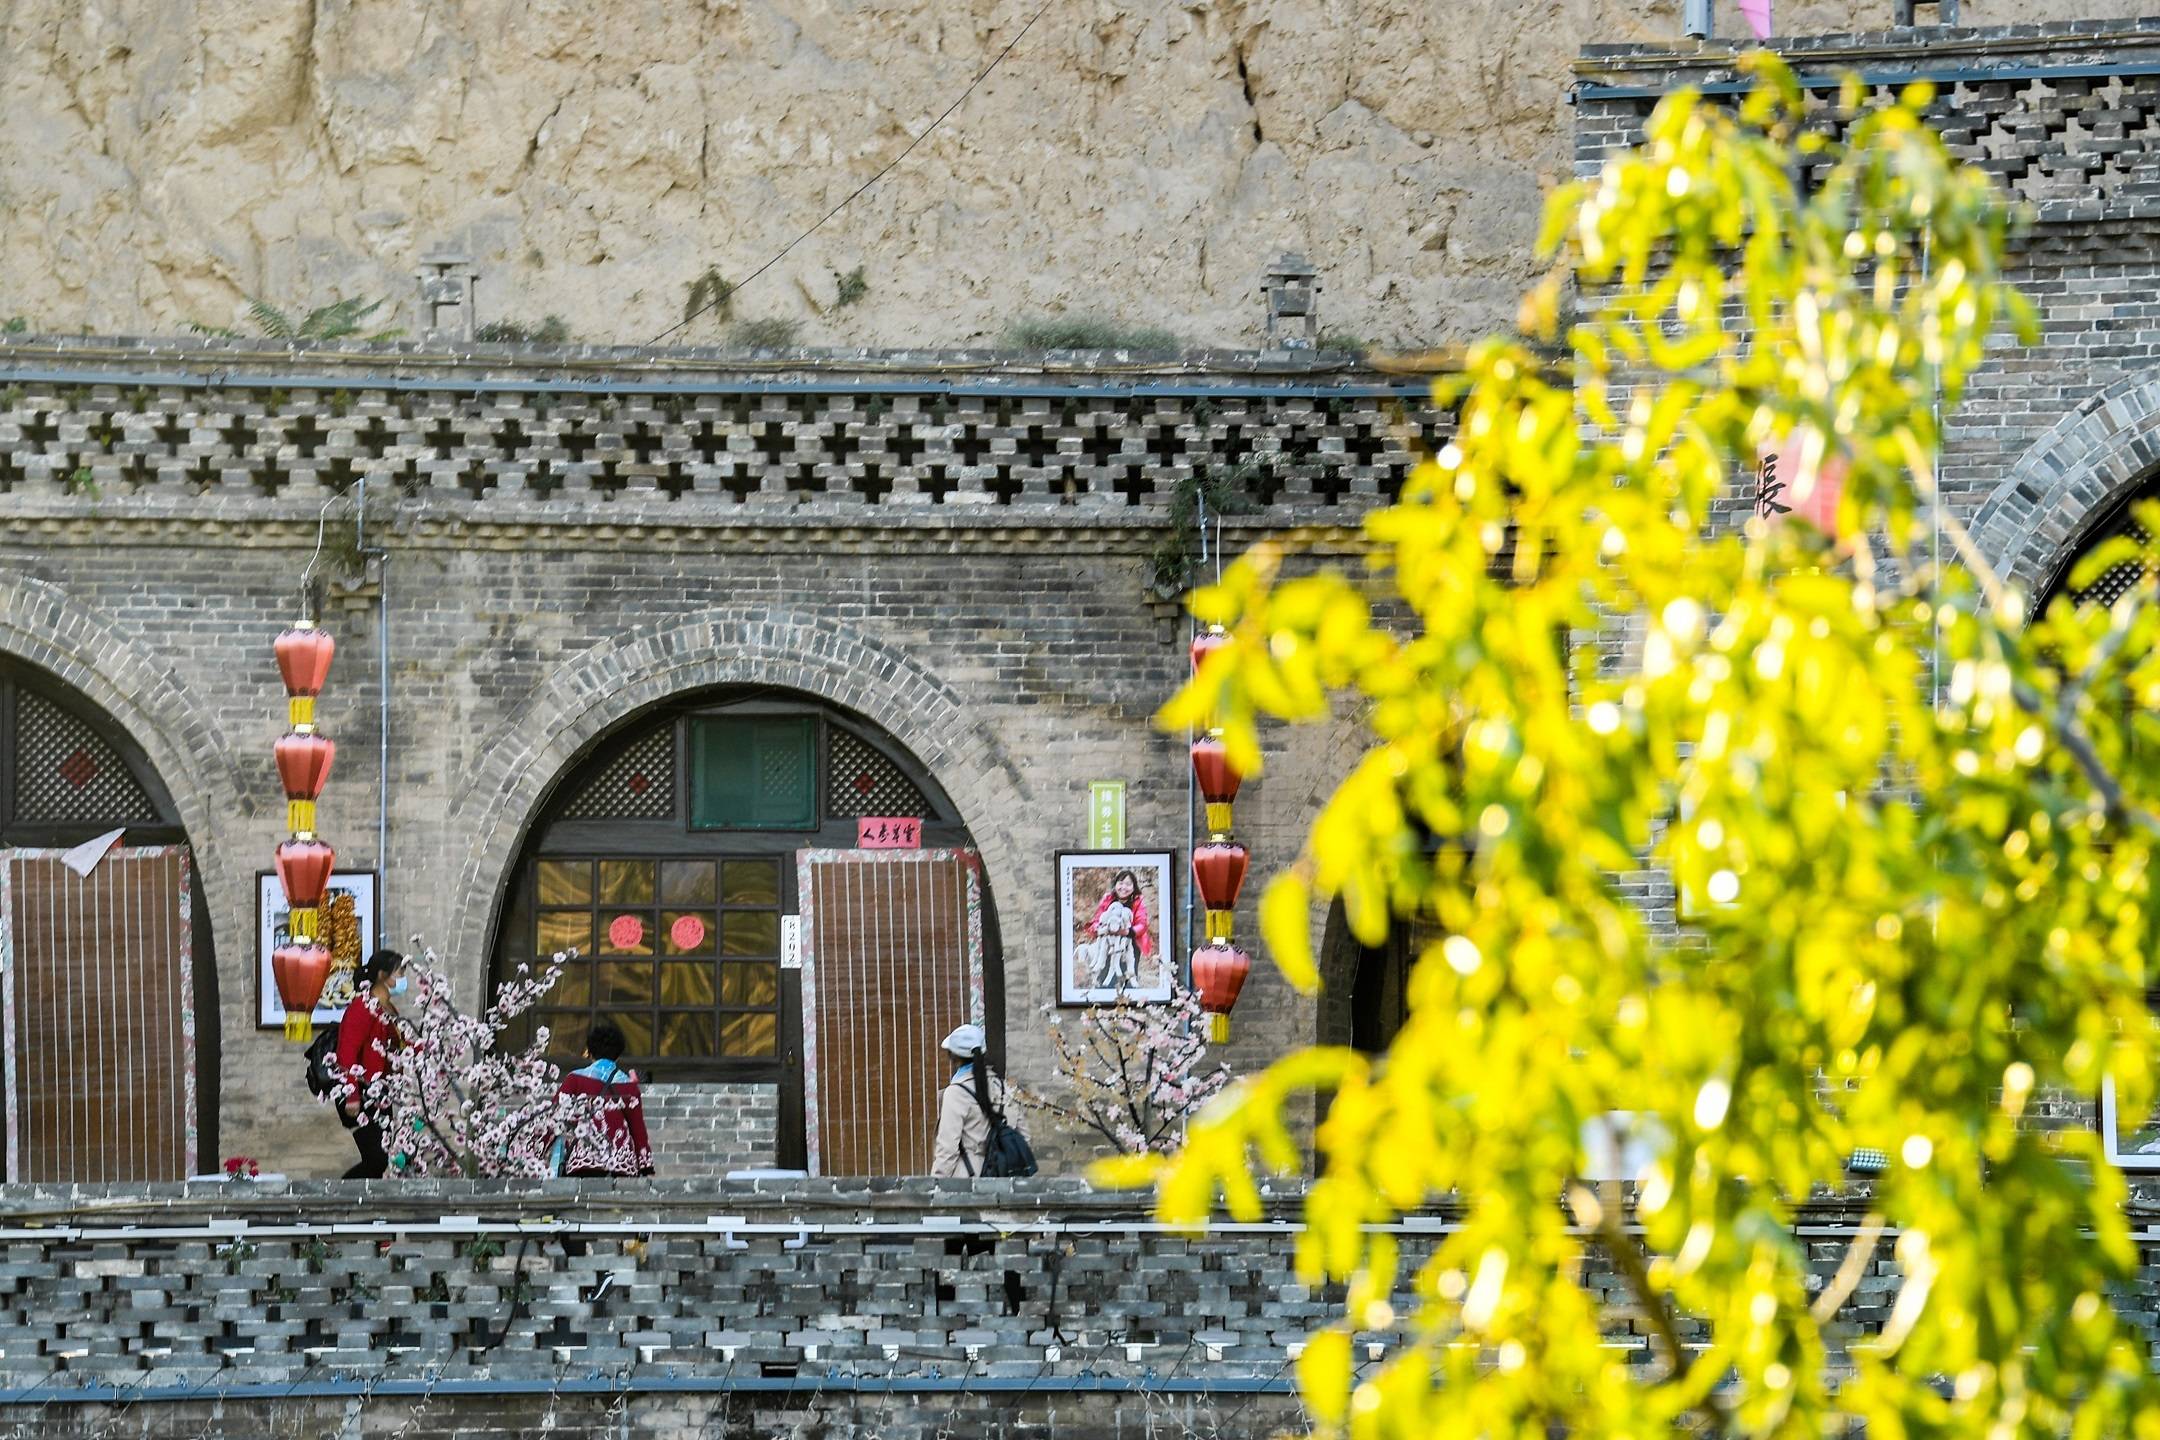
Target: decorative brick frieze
(580, 436)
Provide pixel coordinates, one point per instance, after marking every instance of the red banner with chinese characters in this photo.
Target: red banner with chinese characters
(1778, 493)
(888, 832)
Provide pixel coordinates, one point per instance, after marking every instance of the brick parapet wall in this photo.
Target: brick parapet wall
(580, 437)
(442, 1295)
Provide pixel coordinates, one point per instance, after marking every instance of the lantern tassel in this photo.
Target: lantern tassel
(1218, 1029)
(299, 1026)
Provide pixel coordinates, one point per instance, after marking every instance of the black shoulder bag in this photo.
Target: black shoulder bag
(1006, 1153)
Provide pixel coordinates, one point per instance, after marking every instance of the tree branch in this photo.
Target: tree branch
(1657, 1308)
(1842, 1284)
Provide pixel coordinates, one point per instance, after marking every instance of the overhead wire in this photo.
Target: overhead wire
(731, 291)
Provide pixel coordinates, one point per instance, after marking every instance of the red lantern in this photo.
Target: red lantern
(303, 658)
(1218, 973)
(303, 868)
(1219, 873)
(1207, 643)
(1218, 868)
(301, 971)
(303, 762)
(1218, 782)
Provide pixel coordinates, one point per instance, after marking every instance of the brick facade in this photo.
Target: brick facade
(159, 503)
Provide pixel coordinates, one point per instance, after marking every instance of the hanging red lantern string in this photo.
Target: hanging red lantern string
(301, 967)
(1206, 643)
(303, 762)
(303, 658)
(1218, 967)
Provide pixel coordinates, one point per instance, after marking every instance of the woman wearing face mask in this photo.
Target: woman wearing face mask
(365, 1038)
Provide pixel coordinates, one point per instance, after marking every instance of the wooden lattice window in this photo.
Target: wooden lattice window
(64, 770)
(67, 772)
(863, 780)
(637, 783)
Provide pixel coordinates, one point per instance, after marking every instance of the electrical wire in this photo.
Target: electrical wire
(859, 190)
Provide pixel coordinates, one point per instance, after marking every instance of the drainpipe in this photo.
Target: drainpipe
(382, 666)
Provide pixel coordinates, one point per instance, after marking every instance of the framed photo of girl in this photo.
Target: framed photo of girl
(1117, 926)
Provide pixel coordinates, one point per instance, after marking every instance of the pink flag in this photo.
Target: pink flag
(1757, 15)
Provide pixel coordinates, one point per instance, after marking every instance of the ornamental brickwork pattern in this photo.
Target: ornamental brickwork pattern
(824, 436)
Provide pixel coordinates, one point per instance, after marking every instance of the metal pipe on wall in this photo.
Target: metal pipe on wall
(382, 718)
(101, 1393)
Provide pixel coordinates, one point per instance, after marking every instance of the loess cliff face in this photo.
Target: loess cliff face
(166, 159)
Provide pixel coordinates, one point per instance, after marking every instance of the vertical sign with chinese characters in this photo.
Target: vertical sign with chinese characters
(888, 832)
(1106, 814)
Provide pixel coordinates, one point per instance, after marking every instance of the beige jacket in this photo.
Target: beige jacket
(962, 1126)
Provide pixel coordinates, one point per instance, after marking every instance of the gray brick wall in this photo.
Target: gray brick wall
(709, 1130)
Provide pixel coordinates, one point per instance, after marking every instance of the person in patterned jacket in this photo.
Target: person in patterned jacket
(619, 1145)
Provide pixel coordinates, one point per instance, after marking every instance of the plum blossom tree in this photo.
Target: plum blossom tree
(456, 1100)
(1132, 1071)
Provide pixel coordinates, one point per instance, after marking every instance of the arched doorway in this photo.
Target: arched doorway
(2131, 1141)
(2119, 518)
(1365, 992)
(105, 954)
(782, 977)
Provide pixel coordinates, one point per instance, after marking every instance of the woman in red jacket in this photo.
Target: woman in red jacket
(366, 1036)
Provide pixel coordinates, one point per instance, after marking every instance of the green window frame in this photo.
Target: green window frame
(754, 772)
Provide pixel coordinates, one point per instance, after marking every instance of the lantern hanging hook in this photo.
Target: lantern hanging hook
(322, 522)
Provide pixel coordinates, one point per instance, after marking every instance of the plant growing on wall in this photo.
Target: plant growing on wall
(457, 1101)
(1134, 1073)
(1912, 831)
(1209, 491)
(339, 320)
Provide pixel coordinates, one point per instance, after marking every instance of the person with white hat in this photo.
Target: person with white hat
(966, 1105)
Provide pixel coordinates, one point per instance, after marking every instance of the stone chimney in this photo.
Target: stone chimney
(1292, 289)
(447, 280)
(1946, 11)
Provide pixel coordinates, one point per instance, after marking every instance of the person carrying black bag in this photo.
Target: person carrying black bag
(973, 1137)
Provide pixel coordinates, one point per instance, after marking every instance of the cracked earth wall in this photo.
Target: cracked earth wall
(167, 159)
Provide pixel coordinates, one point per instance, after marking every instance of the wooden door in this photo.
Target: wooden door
(96, 1003)
(892, 960)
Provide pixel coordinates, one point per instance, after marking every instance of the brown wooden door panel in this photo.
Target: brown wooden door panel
(95, 985)
(892, 961)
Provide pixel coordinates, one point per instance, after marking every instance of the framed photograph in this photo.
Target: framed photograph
(348, 928)
(2133, 1142)
(1117, 925)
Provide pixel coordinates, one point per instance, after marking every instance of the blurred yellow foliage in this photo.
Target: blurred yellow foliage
(1920, 829)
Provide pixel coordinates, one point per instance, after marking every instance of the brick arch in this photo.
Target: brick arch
(2070, 480)
(42, 624)
(622, 677)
